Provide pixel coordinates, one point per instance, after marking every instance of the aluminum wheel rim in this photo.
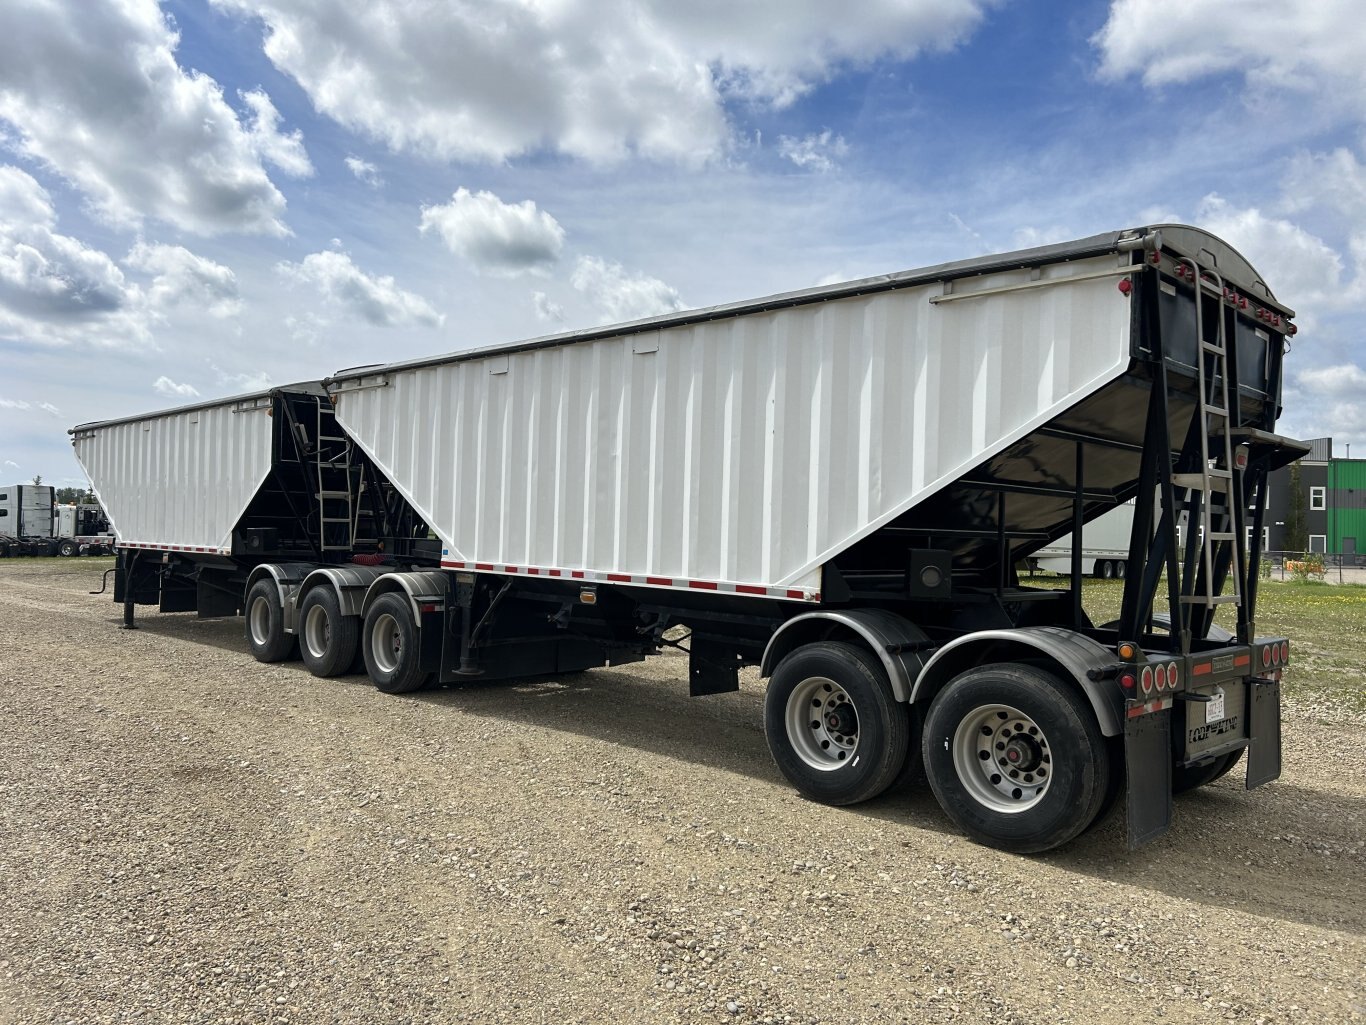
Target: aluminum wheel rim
(822, 723)
(317, 631)
(260, 621)
(386, 642)
(1003, 758)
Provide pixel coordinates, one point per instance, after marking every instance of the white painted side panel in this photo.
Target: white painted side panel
(744, 450)
(179, 480)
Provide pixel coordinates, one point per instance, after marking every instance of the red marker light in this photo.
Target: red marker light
(1126, 286)
(1127, 681)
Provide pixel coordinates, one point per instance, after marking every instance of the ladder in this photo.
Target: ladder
(1211, 497)
(336, 505)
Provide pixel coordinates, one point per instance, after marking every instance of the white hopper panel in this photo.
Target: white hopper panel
(179, 480)
(740, 452)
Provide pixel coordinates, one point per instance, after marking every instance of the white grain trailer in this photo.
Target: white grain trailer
(1104, 547)
(835, 485)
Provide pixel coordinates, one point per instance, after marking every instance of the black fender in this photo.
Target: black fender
(898, 643)
(420, 587)
(351, 584)
(1075, 654)
(287, 576)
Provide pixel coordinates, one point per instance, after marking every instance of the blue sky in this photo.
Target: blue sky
(210, 196)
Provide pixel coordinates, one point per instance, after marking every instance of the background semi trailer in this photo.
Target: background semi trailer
(1104, 546)
(26, 520)
(833, 485)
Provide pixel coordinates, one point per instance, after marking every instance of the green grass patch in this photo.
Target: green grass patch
(1325, 624)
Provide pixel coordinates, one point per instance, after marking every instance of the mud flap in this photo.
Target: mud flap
(1264, 732)
(1148, 770)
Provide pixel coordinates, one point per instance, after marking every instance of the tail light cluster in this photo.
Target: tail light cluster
(1276, 655)
(1159, 676)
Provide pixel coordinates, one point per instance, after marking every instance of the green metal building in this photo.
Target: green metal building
(1347, 506)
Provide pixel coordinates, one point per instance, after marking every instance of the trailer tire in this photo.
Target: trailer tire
(392, 645)
(1184, 780)
(4, 549)
(1119, 570)
(266, 624)
(327, 638)
(1105, 569)
(67, 549)
(994, 720)
(857, 745)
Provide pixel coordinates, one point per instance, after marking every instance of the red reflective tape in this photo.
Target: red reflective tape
(704, 585)
(1203, 669)
(483, 565)
(1241, 660)
(795, 594)
(553, 572)
(576, 574)
(428, 607)
(533, 571)
(662, 581)
(511, 569)
(621, 577)
(750, 589)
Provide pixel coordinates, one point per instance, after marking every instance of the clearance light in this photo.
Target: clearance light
(1292, 329)
(1156, 257)
(1127, 681)
(1126, 286)
(1127, 650)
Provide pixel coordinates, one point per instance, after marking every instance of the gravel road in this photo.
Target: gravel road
(190, 836)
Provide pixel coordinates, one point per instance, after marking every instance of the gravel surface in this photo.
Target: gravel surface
(190, 836)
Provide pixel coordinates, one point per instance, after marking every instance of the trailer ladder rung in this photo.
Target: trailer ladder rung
(1218, 350)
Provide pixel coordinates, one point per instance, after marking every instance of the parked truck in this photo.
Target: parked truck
(26, 520)
(834, 485)
(81, 528)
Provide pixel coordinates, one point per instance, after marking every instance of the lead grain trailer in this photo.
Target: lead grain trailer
(835, 485)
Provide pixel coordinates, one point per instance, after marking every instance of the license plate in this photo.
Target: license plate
(1214, 708)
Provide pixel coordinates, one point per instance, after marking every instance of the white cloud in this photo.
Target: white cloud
(1347, 380)
(93, 90)
(598, 79)
(365, 171)
(284, 151)
(376, 300)
(503, 239)
(307, 328)
(1302, 269)
(239, 382)
(547, 309)
(166, 386)
(11, 462)
(619, 296)
(1291, 46)
(1328, 402)
(815, 152)
(13, 404)
(48, 407)
(184, 279)
(53, 288)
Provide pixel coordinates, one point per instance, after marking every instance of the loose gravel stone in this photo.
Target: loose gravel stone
(187, 835)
